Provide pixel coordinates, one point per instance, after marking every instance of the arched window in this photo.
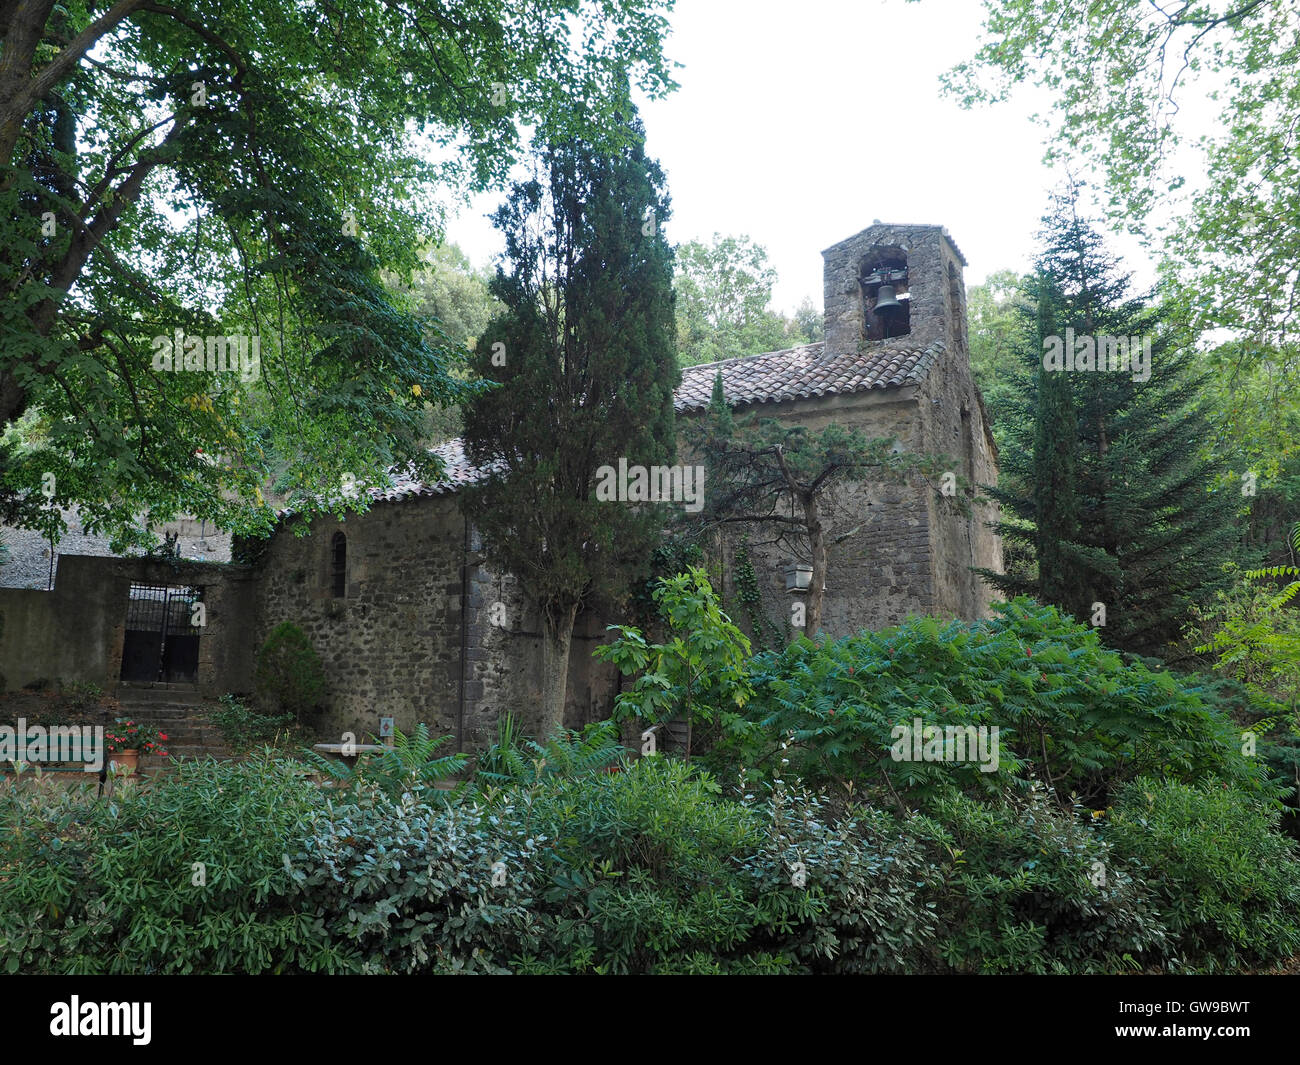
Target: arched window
(338, 565)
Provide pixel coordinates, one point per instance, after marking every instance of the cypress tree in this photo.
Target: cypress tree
(584, 359)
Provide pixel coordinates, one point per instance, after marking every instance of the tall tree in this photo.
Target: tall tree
(997, 320)
(809, 322)
(456, 297)
(724, 289)
(248, 170)
(1105, 481)
(449, 289)
(585, 366)
(1129, 80)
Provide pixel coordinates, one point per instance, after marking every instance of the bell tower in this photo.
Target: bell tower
(897, 285)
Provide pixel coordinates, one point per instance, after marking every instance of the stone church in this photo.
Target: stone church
(410, 624)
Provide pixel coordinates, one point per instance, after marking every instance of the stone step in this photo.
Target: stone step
(167, 713)
(178, 711)
(196, 752)
(162, 694)
(190, 724)
(155, 686)
(162, 713)
(177, 727)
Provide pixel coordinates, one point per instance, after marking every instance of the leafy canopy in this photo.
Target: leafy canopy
(250, 170)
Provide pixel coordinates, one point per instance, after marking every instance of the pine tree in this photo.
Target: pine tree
(584, 357)
(1105, 477)
(1055, 503)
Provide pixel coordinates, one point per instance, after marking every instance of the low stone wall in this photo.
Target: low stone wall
(74, 633)
(29, 552)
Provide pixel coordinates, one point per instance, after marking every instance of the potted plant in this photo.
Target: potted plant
(127, 739)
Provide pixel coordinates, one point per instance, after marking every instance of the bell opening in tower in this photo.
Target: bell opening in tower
(886, 300)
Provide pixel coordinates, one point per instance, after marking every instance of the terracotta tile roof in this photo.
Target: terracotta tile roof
(457, 472)
(799, 373)
(773, 377)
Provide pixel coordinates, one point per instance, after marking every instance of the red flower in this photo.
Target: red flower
(162, 735)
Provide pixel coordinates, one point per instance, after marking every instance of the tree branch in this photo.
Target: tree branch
(61, 65)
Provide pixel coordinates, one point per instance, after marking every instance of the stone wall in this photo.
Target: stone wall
(74, 633)
(953, 426)
(883, 571)
(418, 604)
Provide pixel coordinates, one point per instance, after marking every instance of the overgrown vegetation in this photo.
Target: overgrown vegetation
(697, 674)
(242, 867)
(1069, 712)
(243, 727)
(410, 765)
(1123, 830)
(289, 677)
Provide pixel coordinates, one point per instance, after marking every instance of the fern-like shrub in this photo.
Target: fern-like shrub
(1069, 712)
(410, 764)
(515, 760)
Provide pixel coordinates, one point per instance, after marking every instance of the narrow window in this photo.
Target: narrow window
(968, 450)
(338, 565)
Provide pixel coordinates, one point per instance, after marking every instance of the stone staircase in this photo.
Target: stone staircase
(177, 710)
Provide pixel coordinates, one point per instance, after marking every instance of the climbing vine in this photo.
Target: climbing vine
(751, 601)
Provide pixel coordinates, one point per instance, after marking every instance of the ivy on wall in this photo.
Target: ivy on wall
(249, 550)
(764, 633)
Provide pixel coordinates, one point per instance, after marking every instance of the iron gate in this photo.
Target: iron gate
(161, 643)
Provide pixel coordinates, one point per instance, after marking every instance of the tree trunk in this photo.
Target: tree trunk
(557, 638)
(817, 585)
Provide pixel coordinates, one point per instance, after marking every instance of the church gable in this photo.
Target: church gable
(804, 373)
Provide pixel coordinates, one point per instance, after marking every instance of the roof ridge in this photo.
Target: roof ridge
(929, 356)
(754, 355)
(753, 379)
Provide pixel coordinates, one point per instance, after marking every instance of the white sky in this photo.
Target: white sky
(798, 124)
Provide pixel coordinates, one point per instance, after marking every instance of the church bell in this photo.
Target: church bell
(887, 304)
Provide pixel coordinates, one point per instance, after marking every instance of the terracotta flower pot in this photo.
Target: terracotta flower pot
(127, 762)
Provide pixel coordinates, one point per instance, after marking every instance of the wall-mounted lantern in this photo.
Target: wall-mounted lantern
(798, 577)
